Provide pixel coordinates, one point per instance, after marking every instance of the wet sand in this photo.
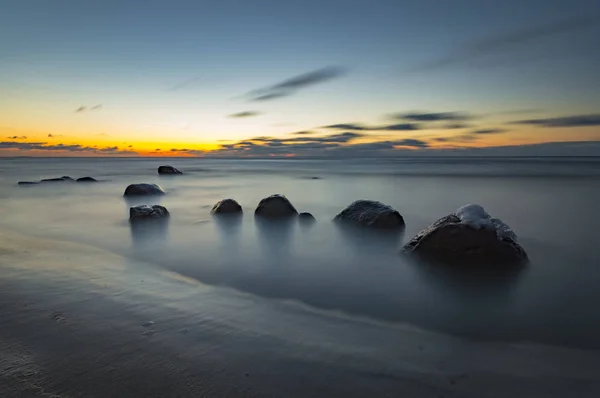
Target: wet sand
(79, 321)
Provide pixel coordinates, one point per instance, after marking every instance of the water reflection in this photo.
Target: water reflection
(275, 237)
(370, 241)
(149, 234)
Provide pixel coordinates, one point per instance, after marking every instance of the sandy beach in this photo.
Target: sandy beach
(80, 321)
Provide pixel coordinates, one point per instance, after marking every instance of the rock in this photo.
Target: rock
(168, 170)
(275, 206)
(226, 206)
(371, 213)
(145, 212)
(28, 183)
(143, 189)
(306, 217)
(468, 237)
(59, 179)
(86, 179)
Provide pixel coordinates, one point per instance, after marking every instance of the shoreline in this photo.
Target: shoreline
(75, 320)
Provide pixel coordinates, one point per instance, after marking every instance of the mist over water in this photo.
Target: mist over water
(550, 203)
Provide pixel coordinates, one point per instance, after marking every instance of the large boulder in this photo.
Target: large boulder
(168, 170)
(145, 212)
(143, 189)
(371, 213)
(468, 237)
(275, 206)
(227, 206)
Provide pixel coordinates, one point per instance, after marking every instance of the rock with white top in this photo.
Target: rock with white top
(370, 213)
(470, 236)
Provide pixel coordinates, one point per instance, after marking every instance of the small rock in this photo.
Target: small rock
(59, 179)
(86, 179)
(28, 183)
(168, 170)
(226, 206)
(145, 212)
(143, 189)
(306, 217)
(371, 213)
(275, 206)
(147, 324)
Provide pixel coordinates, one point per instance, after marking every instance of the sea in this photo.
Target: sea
(550, 203)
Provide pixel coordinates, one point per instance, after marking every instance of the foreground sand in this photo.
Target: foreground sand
(79, 321)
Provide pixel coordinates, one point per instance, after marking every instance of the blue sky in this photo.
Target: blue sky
(172, 71)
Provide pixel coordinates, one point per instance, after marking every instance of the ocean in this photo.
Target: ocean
(551, 204)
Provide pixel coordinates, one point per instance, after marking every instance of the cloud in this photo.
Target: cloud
(454, 126)
(130, 146)
(433, 116)
(488, 131)
(17, 137)
(346, 126)
(96, 107)
(400, 127)
(411, 143)
(184, 84)
(292, 85)
(244, 114)
(80, 109)
(567, 121)
(510, 40)
(44, 146)
(303, 133)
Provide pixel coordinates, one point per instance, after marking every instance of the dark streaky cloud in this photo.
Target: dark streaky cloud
(488, 131)
(244, 114)
(346, 126)
(400, 127)
(290, 86)
(433, 116)
(507, 41)
(567, 121)
(80, 109)
(17, 137)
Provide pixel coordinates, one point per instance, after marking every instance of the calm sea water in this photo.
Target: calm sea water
(551, 203)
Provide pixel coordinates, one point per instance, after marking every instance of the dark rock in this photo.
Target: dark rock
(86, 179)
(144, 212)
(306, 217)
(460, 239)
(226, 206)
(168, 170)
(143, 189)
(275, 206)
(371, 213)
(59, 179)
(28, 183)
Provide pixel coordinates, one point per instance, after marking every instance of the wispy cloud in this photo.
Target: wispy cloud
(244, 114)
(184, 84)
(510, 40)
(44, 146)
(400, 127)
(346, 126)
(17, 137)
(433, 116)
(303, 133)
(488, 131)
(80, 109)
(567, 121)
(96, 107)
(292, 85)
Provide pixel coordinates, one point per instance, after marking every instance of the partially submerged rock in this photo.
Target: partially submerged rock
(227, 206)
(275, 206)
(468, 237)
(371, 213)
(168, 170)
(143, 189)
(59, 179)
(27, 183)
(306, 217)
(145, 212)
(87, 179)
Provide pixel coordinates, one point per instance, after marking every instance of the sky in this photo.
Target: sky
(299, 78)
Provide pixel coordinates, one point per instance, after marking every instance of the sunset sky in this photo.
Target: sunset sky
(296, 78)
